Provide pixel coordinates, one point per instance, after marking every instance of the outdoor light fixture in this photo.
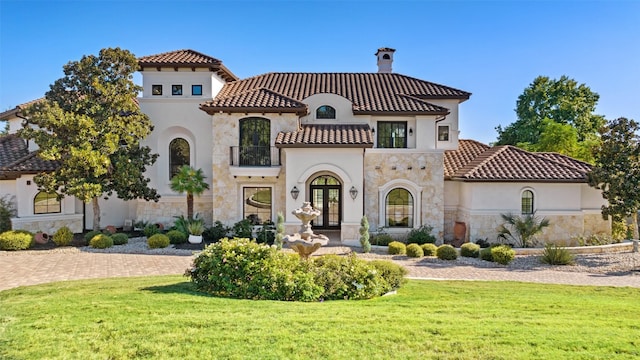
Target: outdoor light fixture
(353, 192)
(295, 192)
(410, 131)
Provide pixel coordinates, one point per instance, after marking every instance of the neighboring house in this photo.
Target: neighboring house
(384, 145)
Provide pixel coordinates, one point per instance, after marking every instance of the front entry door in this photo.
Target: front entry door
(326, 196)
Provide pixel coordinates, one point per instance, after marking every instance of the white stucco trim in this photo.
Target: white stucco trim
(412, 188)
(325, 168)
(403, 151)
(255, 170)
(178, 132)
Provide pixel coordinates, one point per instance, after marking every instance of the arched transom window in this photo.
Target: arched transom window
(527, 202)
(325, 112)
(399, 208)
(179, 155)
(46, 203)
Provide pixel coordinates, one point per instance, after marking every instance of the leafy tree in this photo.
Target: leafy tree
(521, 229)
(191, 181)
(90, 124)
(561, 101)
(617, 171)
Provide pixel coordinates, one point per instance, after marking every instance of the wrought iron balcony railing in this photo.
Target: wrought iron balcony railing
(255, 156)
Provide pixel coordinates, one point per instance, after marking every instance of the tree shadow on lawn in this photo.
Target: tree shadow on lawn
(185, 288)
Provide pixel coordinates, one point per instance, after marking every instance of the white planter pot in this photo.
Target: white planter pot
(195, 239)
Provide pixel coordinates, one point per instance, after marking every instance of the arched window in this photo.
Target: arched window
(527, 202)
(386, 56)
(255, 142)
(399, 208)
(46, 203)
(179, 155)
(325, 112)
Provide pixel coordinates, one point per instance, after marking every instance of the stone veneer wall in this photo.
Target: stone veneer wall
(561, 231)
(225, 188)
(48, 224)
(408, 167)
(169, 207)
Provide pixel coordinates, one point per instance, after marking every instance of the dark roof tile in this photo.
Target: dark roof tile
(186, 58)
(332, 135)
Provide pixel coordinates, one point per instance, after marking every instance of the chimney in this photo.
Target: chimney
(385, 59)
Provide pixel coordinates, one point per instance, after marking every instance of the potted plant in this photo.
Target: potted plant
(195, 228)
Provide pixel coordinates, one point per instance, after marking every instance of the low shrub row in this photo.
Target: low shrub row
(502, 254)
(242, 268)
(15, 240)
(443, 252)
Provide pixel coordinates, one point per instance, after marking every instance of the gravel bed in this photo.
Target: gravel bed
(621, 263)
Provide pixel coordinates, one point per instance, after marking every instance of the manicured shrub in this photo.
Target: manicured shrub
(242, 229)
(177, 237)
(364, 235)
(15, 240)
(485, 254)
(397, 248)
(502, 254)
(63, 236)
(120, 238)
(158, 241)
(421, 236)
(392, 273)
(88, 236)
(151, 230)
(215, 232)
(429, 249)
(446, 252)
(101, 241)
(619, 229)
(414, 250)
(381, 239)
(242, 268)
(470, 250)
(557, 255)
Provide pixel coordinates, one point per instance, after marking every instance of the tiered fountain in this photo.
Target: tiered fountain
(306, 242)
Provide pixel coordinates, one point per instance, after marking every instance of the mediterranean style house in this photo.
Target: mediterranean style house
(383, 145)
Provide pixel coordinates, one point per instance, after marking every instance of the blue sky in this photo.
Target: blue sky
(493, 49)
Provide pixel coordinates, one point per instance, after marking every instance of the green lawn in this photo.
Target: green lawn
(162, 318)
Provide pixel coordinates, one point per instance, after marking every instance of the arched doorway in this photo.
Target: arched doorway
(326, 196)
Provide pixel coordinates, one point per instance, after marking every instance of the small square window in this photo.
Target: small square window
(176, 89)
(443, 133)
(156, 89)
(196, 90)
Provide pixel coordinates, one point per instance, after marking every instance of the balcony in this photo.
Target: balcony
(255, 161)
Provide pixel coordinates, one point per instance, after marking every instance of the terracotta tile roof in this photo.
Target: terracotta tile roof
(509, 163)
(6, 115)
(12, 148)
(467, 151)
(331, 135)
(263, 98)
(370, 93)
(186, 58)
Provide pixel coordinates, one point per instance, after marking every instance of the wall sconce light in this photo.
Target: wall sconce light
(373, 130)
(295, 192)
(410, 131)
(353, 192)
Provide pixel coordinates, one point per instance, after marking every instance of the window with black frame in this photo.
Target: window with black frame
(255, 139)
(392, 134)
(527, 202)
(46, 203)
(399, 208)
(325, 112)
(257, 204)
(179, 155)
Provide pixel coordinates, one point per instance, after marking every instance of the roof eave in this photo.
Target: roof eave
(399, 113)
(211, 110)
(324, 145)
(576, 181)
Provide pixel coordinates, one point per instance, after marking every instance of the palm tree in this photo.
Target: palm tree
(521, 229)
(192, 182)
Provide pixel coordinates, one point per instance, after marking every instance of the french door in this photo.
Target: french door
(326, 196)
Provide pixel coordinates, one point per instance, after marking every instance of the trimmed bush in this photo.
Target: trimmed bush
(397, 248)
(151, 230)
(414, 250)
(177, 237)
(429, 249)
(470, 250)
(242, 229)
(381, 240)
(421, 236)
(101, 241)
(502, 254)
(15, 240)
(88, 236)
(392, 273)
(446, 252)
(242, 268)
(216, 232)
(485, 254)
(120, 238)
(63, 236)
(158, 241)
(556, 255)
